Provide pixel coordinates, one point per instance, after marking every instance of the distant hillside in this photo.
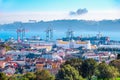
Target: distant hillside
(63, 25)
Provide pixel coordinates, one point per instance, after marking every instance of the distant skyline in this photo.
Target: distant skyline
(24, 10)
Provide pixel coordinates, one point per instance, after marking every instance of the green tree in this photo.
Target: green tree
(76, 63)
(30, 76)
(23, 78)
(116, 63)
(88, 68)
(44, 75)
(8, 48)
(18, 77)
(3, 76)
(106, 71)
(12, 78)
(68, 72)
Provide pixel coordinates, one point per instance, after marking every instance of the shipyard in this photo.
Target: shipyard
(34, 52)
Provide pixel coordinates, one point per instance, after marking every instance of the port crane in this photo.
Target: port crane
(70, 34)
(49, 34)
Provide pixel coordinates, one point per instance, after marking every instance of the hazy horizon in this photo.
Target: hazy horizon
(47, 10)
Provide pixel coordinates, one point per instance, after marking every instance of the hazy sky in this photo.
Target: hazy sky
(24, 10)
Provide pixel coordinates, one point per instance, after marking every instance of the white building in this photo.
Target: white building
(73, 44)
(51, 56)
(37, 44)
(104, 56)
(109, 46)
